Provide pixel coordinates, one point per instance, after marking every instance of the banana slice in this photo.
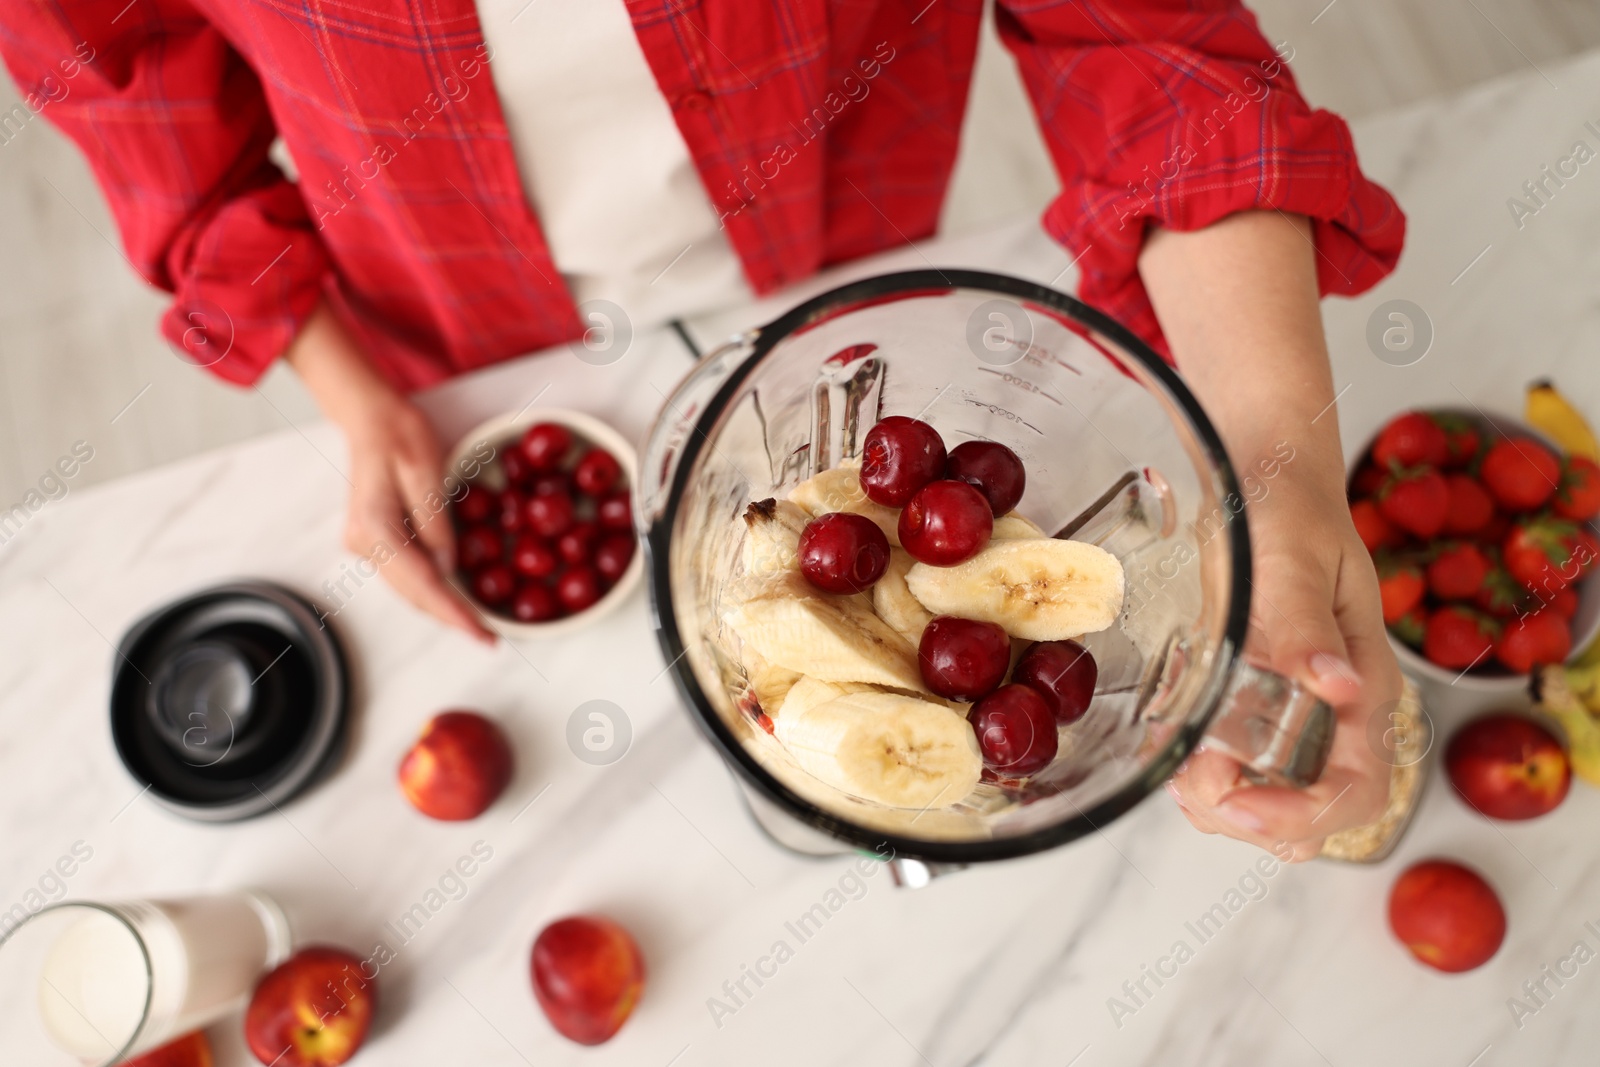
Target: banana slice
(770, 684)
(839, 489)
(892, 599)
(1040, 590)
(1013, 527)
(772, 541)
(895, 750)
(793, 625)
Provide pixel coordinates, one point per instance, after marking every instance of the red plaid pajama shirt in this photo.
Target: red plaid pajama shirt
(822, 130)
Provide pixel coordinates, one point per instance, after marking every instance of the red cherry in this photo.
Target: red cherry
(476, 505)
(578, 588)
(533, 557)
(963, 659)
(990, 468)
(549, 482)
(535, 602)
(945, 522)
(615, 512)
(900, 456)
(576, 544)
(1063, 672)
(545, 445)
(512, 503)
(476, 546)
(596, 472)
(515, 467)
(493, 584)
(549, 515)
(1016, 732)
(842, 552)
(613, 554)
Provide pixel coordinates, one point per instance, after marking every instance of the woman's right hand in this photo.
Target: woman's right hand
(398, 511)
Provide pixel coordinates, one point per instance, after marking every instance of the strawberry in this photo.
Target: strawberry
(1457, 571)
(1564, 602)
(1458, 637)
(1494, 532)
(1537, 638)
(1470, 507)
(1519, 473)
(1463, 438)
(1415, 499)
(1578, 497)
(1548, 554)
(1401, 588)
(1367, 480)
(1375, 531)
(1411, 626)
(1500, 595)
(1409, 440)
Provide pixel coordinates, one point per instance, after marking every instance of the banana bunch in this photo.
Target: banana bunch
(838, 675)
(1570, 694)
(1552, 414)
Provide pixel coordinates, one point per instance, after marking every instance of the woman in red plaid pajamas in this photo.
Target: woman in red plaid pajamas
(467, 173)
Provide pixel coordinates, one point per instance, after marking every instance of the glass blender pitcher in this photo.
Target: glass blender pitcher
(1118, 453)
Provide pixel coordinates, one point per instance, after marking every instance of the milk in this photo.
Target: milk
(157, 969)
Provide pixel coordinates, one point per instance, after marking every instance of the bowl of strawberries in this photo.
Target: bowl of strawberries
(1484, 538)
(545, 541)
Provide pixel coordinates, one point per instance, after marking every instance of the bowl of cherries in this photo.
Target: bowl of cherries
(544, 535)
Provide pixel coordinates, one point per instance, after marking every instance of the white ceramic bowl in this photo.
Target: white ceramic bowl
(1585, 624)
(503, 431)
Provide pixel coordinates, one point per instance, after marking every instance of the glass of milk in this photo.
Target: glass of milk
(91, 983)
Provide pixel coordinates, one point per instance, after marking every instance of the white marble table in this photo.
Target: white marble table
(1013, 963)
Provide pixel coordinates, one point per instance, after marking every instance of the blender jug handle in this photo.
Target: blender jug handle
(663, 442)
(1275, 727)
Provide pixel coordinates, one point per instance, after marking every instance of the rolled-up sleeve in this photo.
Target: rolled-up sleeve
(176, 128)
(1178, 113)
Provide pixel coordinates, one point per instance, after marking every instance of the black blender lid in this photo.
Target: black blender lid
(229, 702)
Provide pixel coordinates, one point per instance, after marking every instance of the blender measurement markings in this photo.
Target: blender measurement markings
(1000, 412)
(1022, 383)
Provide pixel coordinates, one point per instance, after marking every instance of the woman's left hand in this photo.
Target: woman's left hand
(1238, 301)
(1314, 617)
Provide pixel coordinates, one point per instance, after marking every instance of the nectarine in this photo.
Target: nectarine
(1447, 915)
(312, 1010)
(1508, 767)
(457, 768)
(587, 975)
